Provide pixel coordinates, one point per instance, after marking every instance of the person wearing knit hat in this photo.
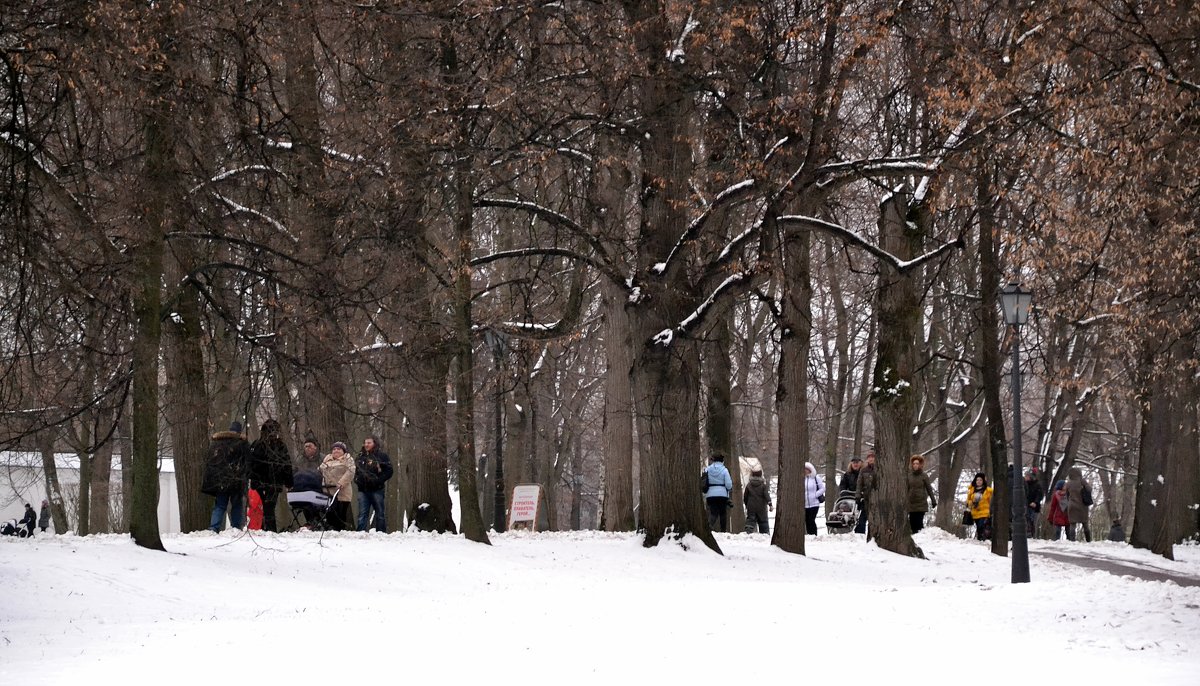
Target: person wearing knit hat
(309, 458)
(337, 473)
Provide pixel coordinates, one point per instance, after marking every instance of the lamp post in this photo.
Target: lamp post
(1016, 301)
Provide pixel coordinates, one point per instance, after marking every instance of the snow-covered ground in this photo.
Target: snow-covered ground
(573, 608)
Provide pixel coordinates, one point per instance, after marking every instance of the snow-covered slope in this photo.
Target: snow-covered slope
(578, 608)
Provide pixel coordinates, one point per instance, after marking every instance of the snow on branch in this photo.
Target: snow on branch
(676, 53)
(693, 320)
(237, 208)
(230, 173)
(951, 143)
(730, 194)
(536, 252)
(854, 239)
(840, 173)
(554, 218)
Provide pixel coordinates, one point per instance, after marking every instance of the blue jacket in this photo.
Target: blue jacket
(720, 484)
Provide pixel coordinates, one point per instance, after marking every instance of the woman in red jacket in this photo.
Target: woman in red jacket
(1058, 513)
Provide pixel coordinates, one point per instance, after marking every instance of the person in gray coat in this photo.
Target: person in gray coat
(44, 517)
(757, 498)
(1079, 497)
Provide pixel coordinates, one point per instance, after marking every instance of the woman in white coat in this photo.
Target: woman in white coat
(814, 495)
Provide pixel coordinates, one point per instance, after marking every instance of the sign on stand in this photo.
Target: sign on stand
(528, 511)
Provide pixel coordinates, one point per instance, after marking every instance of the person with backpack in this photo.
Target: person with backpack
(717, 486)
(757, 499)
(1057, 513)
(814, 495)
(1078, 500)
(979, 502)
(225, 477)
(372, 469)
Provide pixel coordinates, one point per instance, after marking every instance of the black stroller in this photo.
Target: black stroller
(12, 528)
(844, 515)
(308, 502)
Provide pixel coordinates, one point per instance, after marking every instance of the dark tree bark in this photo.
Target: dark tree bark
(990, 359)
(188, 404)
(791, 398)
(719, 419)
(895, 386)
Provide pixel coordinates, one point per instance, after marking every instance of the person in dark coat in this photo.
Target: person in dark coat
(310, 455)
(918, 487)
(849, 482)
(270, 470)
(862, 492)
(757, 499)
(1033, 499)
(1076, 507)
(372, 469)
(29, 521)
(225, 477)
(1117, 533)
(44, 517)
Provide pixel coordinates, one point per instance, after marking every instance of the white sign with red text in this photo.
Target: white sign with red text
(526, 504)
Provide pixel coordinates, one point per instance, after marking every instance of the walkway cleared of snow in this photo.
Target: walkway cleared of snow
(583, 607)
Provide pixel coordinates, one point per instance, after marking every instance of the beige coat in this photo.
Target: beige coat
(337, 473)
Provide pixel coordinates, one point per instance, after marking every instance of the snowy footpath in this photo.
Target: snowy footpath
(584, 607)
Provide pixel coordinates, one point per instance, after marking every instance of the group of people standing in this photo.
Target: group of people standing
(246, 479)
(1069, 502)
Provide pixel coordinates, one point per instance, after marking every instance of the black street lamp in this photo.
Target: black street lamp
(1016, 301)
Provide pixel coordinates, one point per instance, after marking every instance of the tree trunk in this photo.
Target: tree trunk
(840, 379)
(1167, 454)
(666, 368)
(618, 415)
(791, 398)
(100, 522)
(719, 426)
(990, 362)
(58, 505)
(895, 388)
(187, 410)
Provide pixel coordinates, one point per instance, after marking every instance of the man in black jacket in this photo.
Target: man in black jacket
(270, 470)
(372, 469)
(225, 477)
(1033, 500)
(30, 519)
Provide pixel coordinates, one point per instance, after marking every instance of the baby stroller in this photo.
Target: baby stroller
(308, 502)
(11, 528)
(844, 515)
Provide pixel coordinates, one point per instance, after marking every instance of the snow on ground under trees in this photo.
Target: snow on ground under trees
(581, 607)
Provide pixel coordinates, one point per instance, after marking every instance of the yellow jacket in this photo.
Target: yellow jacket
(983, 508)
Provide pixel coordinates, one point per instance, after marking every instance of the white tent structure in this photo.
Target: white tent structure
(23, 480)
